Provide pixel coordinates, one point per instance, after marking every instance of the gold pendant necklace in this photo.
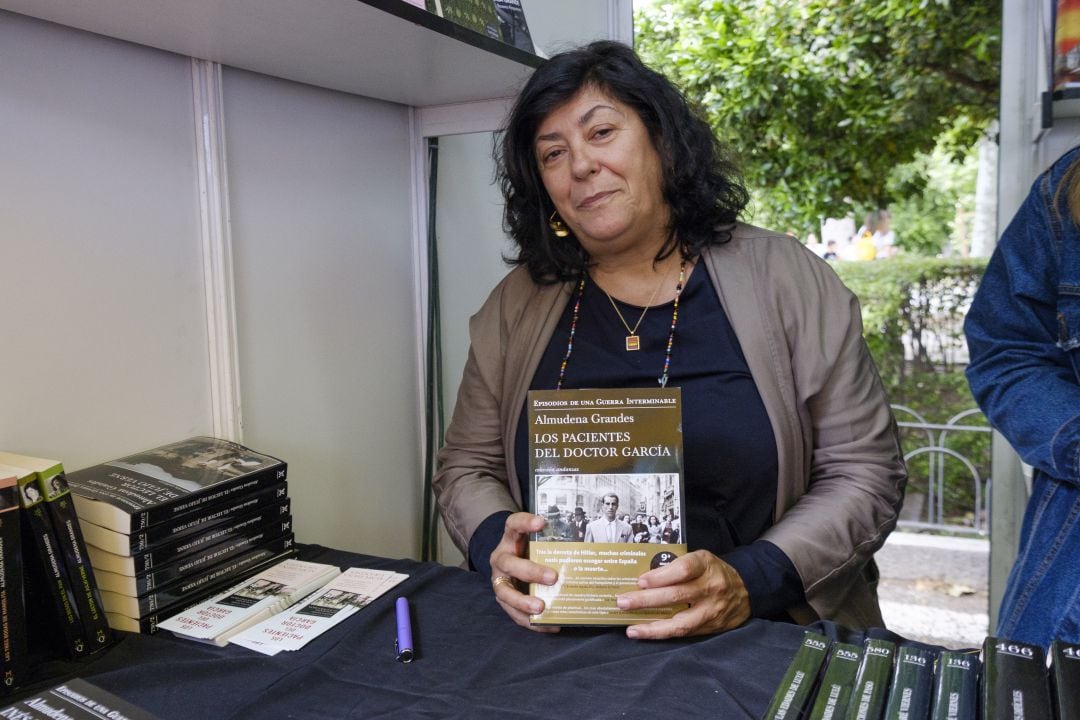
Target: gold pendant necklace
(633, 342)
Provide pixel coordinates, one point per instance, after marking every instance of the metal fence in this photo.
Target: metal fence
(947, 479)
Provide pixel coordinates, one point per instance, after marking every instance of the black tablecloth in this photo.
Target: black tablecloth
(472, 662)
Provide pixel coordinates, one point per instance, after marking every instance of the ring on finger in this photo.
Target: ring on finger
(502, 580)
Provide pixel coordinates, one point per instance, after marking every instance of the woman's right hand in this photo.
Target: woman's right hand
(510, 566)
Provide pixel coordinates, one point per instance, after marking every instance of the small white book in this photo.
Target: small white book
(341, 598)
(255, 599)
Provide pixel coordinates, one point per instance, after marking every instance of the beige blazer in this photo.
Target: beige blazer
(841, 472)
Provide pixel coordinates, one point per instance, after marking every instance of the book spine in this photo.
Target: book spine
(912, 685)
(170, 554)
(210, 555)
(872, 680)
(194, 586)
(41, 541)
(202, 518)
(12, 609)
(794, 691)
(1065, 676)
(834, 693)
(956, 687)
(1014, 680)
(70, 542)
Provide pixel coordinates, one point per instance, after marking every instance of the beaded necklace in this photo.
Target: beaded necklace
(663, 379)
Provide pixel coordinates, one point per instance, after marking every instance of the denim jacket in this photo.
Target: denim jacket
(1023, 333)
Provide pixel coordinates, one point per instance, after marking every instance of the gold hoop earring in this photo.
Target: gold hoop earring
(557, 225)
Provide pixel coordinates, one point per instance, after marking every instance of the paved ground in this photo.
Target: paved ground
(934, 589)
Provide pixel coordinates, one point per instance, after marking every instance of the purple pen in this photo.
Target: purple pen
(404, 631)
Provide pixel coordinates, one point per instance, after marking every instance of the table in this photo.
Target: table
(472, 662)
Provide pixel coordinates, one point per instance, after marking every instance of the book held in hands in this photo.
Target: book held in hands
(606, 469)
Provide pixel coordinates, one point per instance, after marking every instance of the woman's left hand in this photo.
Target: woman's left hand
(716, 594)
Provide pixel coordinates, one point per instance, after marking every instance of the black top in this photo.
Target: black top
(730, 470)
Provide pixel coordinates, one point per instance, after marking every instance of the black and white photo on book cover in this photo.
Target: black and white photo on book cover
(607, 474)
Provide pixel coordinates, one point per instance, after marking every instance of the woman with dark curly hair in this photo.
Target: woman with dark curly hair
(633, 269)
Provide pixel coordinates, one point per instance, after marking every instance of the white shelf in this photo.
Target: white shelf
(385, 49)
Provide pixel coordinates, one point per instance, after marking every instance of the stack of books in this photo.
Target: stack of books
(880, 679)
(168, 527)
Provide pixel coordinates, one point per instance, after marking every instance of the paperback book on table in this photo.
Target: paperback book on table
(837, 684)
(205, 558)
(912, 687)
(341, 598)
(796, 689)
(137, 491)
(220, 617)
(196, 586)
(585, 448)
(1014, 680)
(74, 700)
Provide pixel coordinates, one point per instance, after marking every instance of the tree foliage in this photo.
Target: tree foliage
(820, 99)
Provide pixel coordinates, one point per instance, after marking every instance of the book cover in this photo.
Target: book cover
(1065, 679)
(912, 686)
(956, 687)
(134, 492)
(193, 586)
(604, 465)
(1014, 681)
(50, 602)
(834, 692)
(512, 25)
(162, 576)
(795, 690)
(477, 15)
(148, 624)
(12, 609)
(257, 598)
(200, 520)
(74, 700)
(872, 680)
(80, 573)
(341, 598)
(169, 553)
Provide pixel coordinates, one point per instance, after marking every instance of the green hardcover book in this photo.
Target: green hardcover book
(872, 680)
(795, 690)
(1065, 679)
(912, 686)
(834, 692)
(1014, 681)
(956, 687)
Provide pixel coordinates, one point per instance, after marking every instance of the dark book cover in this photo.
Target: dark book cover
(477, 15)
(134, 492)
(74, 700)
(912, 686)
(512, 25)
(872, 680)
(195, 586)
(12, 609)
(795, 690)
(148, 624)
(163, 575)
(1065, 679)
(956, 687)
(199, 520)
(838, 682)
(1014, 681)
(170, 553)
(53, 604)
(80, 573)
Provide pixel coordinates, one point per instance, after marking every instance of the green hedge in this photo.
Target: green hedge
(912, 312)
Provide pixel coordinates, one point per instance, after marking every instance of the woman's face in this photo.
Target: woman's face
(603, 174)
